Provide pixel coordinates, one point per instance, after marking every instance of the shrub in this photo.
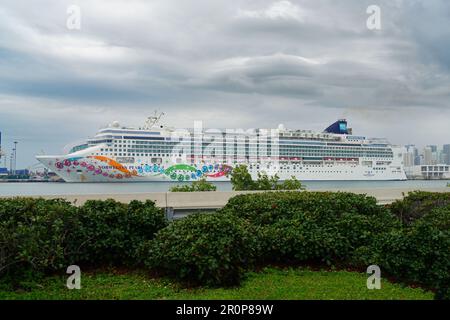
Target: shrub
(38, 236)
(291, 241)
(443, 292)
(430, 238)
(203, 249)
(352, 229)
(111, 232)
(417, 204)
(34, 235)
(419, 253)
(269, 207)
(303, 226)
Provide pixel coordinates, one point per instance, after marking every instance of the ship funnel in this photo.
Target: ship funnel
(339, 127)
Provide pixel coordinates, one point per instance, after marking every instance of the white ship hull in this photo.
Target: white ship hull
(84, 166)
(156, 153)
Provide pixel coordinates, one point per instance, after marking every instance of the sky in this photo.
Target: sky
(228, 63)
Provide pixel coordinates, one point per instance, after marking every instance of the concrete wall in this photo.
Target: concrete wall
(180, 204)
(217, 199)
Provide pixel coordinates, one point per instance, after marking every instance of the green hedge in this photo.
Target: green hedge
(265, 228)
(34, 235)
(303, 226)
(206, 249)
(39, 236)
(417, 204)
(270, 207)
(111, 232)
(418, 253)
(409, 240)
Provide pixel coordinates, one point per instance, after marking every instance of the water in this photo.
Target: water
(44, 188)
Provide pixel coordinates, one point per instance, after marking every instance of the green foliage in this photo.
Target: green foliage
(205, 249)
(264, 182)
(304, 226)
(269, 207)
(409, 240)
(38, 236)
(291, 184)
(417, 204)
(417, 253)
(242, 180)
(112, 232)
(34, 236)
(350, 229)
(443, 292)
(195, 186)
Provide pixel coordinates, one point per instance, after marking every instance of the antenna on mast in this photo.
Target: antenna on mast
(153, 120)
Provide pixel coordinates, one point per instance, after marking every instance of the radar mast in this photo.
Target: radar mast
(152, 121)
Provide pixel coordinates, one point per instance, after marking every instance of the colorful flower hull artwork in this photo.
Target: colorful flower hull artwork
(115, 170)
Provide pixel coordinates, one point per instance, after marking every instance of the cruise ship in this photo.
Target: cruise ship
(155, 152)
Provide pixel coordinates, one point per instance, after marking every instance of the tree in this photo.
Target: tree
(291, 184)
(196, 186)
(241, 179)
(264, 182)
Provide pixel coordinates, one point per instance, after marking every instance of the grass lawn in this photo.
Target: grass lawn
(291, 284)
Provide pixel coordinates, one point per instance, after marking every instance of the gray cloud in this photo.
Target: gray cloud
(238, 64)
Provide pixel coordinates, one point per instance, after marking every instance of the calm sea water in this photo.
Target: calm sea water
(44, 188)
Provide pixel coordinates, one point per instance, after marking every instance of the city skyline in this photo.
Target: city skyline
(250, 64)
(428, 155)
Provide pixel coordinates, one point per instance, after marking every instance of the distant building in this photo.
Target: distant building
(428, 172)
(409, 157)
(428, 155)
(431, 155)
(446, 152)
(417, 157)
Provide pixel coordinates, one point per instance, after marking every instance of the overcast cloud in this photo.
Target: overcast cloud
(230, 63)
